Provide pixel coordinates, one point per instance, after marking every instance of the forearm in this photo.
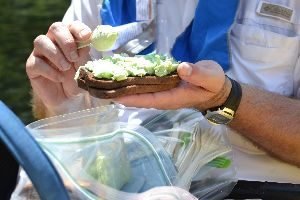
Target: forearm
(271, 121)
(40, 110)
(79, 102)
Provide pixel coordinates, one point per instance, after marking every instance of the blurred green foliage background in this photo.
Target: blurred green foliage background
(20, 22)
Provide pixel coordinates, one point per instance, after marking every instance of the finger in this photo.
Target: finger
(60, 33)
(84, 56)
(139, 100)
(159, 100)
(44, 47)
(206, 74)
(80, 31)
(36, 67)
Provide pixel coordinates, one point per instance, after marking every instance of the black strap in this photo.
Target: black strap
(265, 190)
(235, 95)
(262, 190)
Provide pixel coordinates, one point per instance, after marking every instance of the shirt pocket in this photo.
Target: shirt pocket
(257, 44)
(267, 56)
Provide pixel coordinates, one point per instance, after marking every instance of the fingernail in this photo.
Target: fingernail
(185, 70)
(74, 55)
(84, 32)
(65, 65)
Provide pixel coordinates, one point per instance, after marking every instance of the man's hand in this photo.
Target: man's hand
(203, 86)
(54, 60)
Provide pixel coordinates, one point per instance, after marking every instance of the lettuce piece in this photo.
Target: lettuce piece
(118, 67)
(104, 37)
(107, 70)
(110, 165)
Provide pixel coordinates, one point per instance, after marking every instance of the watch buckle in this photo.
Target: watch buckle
(227, 111)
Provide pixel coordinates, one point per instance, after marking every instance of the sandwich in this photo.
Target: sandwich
(121, 75)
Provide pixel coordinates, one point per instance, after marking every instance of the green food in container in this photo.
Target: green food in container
(110, 165)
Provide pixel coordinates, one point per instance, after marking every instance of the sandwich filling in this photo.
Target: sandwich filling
(119, 67)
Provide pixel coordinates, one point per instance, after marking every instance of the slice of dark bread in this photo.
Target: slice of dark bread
(91, 81)
(107, 89)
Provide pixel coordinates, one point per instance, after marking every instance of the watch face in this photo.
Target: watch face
(217, 118)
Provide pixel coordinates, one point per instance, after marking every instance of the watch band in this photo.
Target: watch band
(234, 97)
(225, 113)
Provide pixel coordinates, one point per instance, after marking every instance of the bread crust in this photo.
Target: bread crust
(106, 89)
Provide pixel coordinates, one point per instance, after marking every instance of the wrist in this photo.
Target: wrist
(224, 113)
(38, 107)
(42, 110)
(221, 97)
(218, 99)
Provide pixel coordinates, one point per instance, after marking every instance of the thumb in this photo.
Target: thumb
(206, 74)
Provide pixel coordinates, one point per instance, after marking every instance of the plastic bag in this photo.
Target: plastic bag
(200, 151)
(113, 152)
(25, 191)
